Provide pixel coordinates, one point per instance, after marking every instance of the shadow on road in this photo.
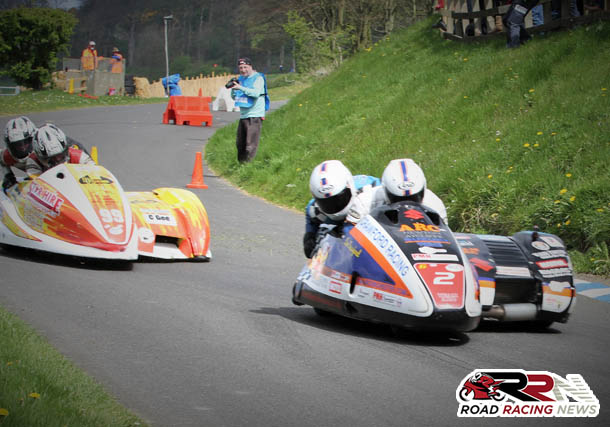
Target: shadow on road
(377, 331)
(49, 258)
(491, 326)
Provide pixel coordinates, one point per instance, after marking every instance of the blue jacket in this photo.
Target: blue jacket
(252, 100)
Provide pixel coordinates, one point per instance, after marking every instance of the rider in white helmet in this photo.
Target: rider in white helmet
(18, 135)
(51, 148)
(402, 180)
(334, 190)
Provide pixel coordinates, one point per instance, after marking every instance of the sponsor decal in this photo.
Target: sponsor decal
(552, 241)
(519, 393)
(464, 243)
(481, 264)
(471, 251)
(513, 271)
(556, 272)
(429, 242)
(334, 287)
(418, 226)
(413, 214)
(435, 257)
(445, 282)
(552, 263)
(551, 254)
(431, 250)
(159, 217)
(387, 299)
(99, 180)
(48, 200)
(146, 235)
(349, 244)
(386, 245)
(327, 188)
(406, 185)
(541, 246)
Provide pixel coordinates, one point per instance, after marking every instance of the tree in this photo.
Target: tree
(30, 40)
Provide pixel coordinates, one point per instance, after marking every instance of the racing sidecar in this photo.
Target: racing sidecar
(82, 210)
(401, 265)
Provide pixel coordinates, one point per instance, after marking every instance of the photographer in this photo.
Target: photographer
(250, 95)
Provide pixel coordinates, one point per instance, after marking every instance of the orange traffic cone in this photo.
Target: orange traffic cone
(197, 178)
(200, 92)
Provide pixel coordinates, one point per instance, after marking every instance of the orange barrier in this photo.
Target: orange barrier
(197, 178)
(188, 110)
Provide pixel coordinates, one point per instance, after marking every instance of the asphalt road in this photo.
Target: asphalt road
(220, 343)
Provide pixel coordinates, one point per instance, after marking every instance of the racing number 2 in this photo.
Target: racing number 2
(111, 215)
(443, 278)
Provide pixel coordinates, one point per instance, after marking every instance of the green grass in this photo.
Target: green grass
(39, 387)
(49, 100)
(508, 139)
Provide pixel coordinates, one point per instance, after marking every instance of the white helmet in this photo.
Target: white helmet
(332, 186)
(18, 135)
(403, 179)
(50, 145)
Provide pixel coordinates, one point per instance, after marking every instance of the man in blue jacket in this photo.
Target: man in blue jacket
(250, 95)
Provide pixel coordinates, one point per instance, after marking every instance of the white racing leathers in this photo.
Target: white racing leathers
(366, 201)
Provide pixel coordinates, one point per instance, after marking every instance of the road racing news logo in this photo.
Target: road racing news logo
(519, 393)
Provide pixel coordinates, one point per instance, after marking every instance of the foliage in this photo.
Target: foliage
(210, 31)
(508, 139)
(39, 387)
(30, 41)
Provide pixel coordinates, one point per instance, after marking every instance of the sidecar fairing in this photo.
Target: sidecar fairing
(399, 265)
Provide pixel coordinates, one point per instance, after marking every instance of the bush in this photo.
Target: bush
(29, 43)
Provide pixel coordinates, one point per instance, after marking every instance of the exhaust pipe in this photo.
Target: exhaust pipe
(512, 312)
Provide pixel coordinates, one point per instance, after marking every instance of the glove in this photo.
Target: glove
(8, 181)
(309, 243)
(357, 211)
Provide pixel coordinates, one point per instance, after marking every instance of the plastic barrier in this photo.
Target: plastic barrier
(188, 110)
(224, 101)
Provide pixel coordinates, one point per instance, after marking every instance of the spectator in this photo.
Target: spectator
(516, 34)
(116, 61)
(250, 95)
(88, 58)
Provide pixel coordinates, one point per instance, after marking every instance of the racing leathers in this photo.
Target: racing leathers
(366, 202)
(315, 218)
(6, 161)
(35, 167)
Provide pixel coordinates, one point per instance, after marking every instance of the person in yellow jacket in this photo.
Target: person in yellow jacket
(116, 61)
(88, 58)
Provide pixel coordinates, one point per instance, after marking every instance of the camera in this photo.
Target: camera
(232, 83)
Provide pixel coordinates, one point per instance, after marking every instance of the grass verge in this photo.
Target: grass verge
(39, 387)
(55, 99)
(509, 139)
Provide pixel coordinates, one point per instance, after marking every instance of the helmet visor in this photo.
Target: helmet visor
(336, 203)
(20, 149)
(56, 159)
(417, 197)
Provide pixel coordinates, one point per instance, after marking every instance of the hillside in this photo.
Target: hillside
(508, 139)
